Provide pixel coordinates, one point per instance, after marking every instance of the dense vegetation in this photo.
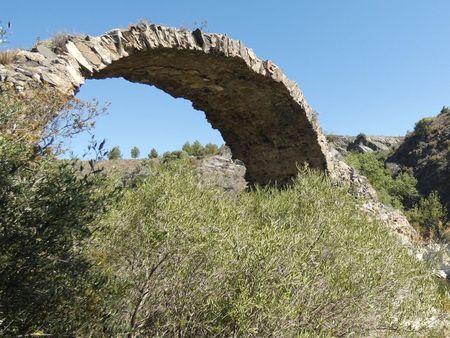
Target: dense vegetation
(173, 255)
(47, 211)
(188, 259)
(426, 151)
(399, 189)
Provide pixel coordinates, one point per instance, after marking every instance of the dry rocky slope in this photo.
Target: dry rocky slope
(261, 114)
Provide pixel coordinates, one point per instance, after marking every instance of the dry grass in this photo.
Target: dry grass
(7, 57)
(59, 40)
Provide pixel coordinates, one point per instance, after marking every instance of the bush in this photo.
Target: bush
(429, 216)
(186, 259)
(396, 192)
(361, 138)
(426, 214)
(169, 156)
(332, 138)
(423, 127)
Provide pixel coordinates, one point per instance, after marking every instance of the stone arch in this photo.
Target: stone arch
(262, 116)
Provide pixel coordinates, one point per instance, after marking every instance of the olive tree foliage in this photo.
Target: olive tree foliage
(186, 259)
(48, 208)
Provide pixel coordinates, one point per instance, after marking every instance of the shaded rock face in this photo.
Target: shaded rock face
(262, 116)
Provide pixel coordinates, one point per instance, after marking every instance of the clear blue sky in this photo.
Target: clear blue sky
(373, 66)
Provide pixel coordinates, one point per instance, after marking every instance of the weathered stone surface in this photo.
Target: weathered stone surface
(370, 143)
(262, 116)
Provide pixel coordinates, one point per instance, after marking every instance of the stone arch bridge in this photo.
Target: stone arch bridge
(261, 114)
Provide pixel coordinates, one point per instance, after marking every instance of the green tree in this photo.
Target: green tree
(115, 153)
(47, 208)
(153, 153)
(197, 148)
(211, 149)
(135, 152)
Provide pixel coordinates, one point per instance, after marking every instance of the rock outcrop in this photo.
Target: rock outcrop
(362, 143)
(262, 116)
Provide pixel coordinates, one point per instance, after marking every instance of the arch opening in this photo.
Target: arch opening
(142, 116)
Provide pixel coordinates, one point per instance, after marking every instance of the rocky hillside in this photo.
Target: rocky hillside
(426, 151)
(362, 143)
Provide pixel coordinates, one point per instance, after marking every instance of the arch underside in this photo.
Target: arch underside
(256, 117)
(261, 115)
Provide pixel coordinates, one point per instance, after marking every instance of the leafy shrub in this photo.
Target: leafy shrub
(169, 156)
(429, 216)
(186, 259)
(397, 192)
(332, 138)
(46, 207)
(423, 127)
(426, 214)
